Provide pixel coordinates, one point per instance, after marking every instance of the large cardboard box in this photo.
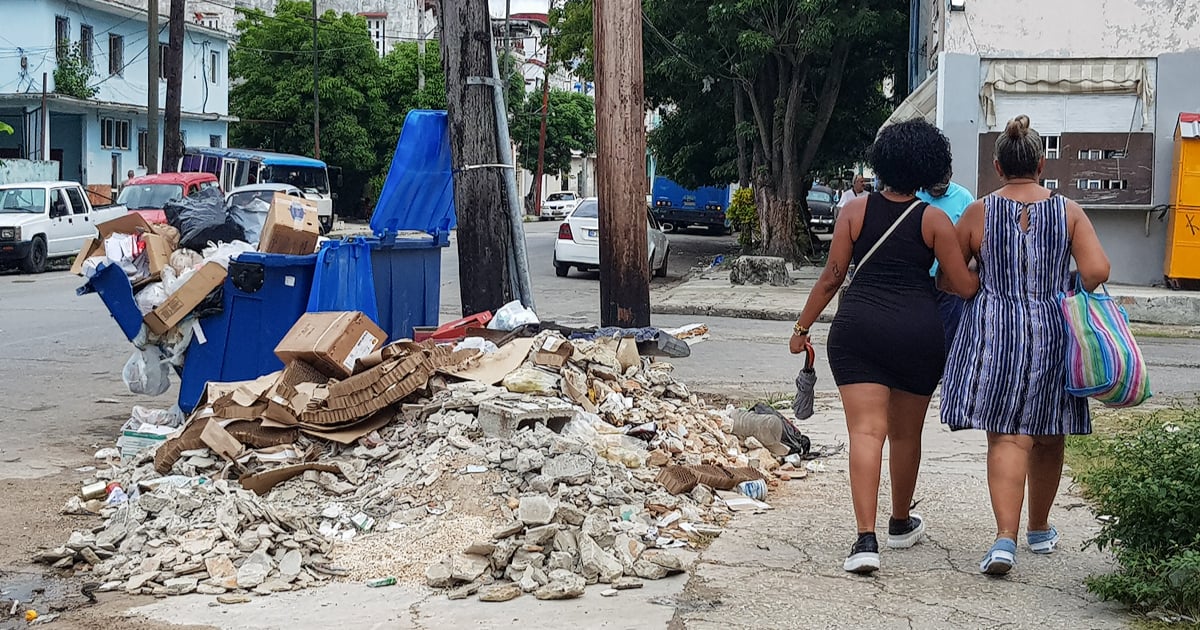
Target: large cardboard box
(291, 227)
(158, 250)
(165, 316)
(332, 342)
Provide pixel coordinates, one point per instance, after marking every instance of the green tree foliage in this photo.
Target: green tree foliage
(570, 126)
(756, 88)
(73, 74)
(364, 98)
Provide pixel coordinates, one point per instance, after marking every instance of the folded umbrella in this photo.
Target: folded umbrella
(806, 385)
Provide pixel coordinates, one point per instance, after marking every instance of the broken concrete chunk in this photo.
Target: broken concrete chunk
(568, 586)
(649, 571)
(537, 510)
(597, 564)
(254, 570)
(499, 592)
(439, 575)
(627, 583)
(180, 585)
(572, 468)
(665, 559)
(468, 567)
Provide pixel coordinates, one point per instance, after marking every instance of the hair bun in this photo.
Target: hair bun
(1017, 127)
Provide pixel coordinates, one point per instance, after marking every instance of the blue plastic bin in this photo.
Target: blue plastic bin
(114, 289)
(264, 296)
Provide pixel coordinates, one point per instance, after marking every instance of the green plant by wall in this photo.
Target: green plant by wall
(743, 214)
(73, 74)
(1146, 486)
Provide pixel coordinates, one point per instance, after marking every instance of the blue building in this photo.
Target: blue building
(97, 141)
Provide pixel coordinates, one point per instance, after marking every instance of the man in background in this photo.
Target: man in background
(857, 189)
(953, 200)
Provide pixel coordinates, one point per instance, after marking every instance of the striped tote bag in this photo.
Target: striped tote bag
(1103, 359)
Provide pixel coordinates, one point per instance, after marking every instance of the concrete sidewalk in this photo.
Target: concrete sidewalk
(710, 294)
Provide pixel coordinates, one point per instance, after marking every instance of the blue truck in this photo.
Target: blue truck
(677, 207)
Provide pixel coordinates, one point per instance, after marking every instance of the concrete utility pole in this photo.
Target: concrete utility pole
(316, 93)
(172, 134)
(152, 78)
(621, 164)
(421, 46)
(483, 237)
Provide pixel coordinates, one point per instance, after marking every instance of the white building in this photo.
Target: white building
(1103, 81)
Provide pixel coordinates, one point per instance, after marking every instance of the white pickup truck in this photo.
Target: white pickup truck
(44, 220)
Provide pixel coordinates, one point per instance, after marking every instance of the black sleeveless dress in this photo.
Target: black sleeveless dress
(887, 329)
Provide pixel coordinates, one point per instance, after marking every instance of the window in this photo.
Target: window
(78, 205)
(1051, 143)
(375, 26)
(1051, 184)
(86, 37)
(1091, 154)
(143, 147)
(116, 54)
(163, 53)
(1114, 155)
(114, 134)
(62, 36)
(1088, 184)
(209, 20)
(214, 141)
(1116, 184)
(214, 66)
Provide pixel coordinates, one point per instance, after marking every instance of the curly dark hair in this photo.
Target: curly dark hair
(910, 156)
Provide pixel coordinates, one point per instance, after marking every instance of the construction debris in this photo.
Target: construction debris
(576, 462)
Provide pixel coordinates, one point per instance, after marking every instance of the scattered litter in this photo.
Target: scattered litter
(378, 582)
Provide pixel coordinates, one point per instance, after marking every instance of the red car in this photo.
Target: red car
(148, 194)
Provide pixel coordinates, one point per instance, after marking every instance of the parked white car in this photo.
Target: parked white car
(558, 205)
(44, 220)
(578, 243)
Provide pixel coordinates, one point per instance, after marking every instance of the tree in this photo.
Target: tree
(570, 126)
(770, 78)
(73, 74)
(364, 98)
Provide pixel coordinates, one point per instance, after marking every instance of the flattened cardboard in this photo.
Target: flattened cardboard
(291, 226)
(165, 316)
(261, 483)
(492, 368)
(351, 434)
(220, 441)
(332, 342)
(158, 249)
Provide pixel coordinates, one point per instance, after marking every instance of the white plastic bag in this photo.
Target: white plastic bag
(220, 253)
(152, 295)
(146, 373)
(184, 260)
(512, 316)
(477, 343)
(172, 417)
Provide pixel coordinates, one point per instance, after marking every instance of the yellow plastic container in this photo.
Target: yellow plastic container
(1183, 225)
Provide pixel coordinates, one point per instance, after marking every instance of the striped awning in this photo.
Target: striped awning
(922, 103)
(1066, 76)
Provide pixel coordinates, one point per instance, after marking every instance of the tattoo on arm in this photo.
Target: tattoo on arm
(837, 271)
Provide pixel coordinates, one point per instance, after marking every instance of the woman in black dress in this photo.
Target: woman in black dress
(886, 346)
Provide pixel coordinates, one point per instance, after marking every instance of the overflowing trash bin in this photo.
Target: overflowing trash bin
(218, 311)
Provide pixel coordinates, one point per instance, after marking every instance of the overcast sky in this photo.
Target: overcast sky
(518, 6)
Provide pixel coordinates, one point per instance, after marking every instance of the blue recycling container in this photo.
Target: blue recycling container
(114, 289)
(263, 297)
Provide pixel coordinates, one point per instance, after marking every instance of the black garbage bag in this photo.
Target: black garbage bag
(203, 218)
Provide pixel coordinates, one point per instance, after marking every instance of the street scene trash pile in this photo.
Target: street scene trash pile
(498, 464)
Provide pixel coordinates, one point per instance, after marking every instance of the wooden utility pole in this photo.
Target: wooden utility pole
(172, 134)
(152, 78)
(316, 92)
(621, 164)
(483, 234)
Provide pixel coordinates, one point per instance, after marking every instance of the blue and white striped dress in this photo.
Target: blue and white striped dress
(1007, 370)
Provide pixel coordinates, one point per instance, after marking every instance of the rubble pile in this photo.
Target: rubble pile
(538, 467)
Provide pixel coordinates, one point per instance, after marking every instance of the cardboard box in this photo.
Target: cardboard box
(553, 352)
(158, 250)
(136, 437)
(332, 342)
(291, 226)
(165, 316)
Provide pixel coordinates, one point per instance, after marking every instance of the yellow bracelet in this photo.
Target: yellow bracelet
(799, 330)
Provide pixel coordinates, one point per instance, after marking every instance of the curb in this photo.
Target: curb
(763, 314)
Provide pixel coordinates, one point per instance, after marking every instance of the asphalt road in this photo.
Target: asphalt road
(576, 298)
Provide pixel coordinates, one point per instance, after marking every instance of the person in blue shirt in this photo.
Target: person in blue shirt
(952, 199)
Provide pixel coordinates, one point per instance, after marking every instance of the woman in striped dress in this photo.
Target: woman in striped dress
(1006, 373)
